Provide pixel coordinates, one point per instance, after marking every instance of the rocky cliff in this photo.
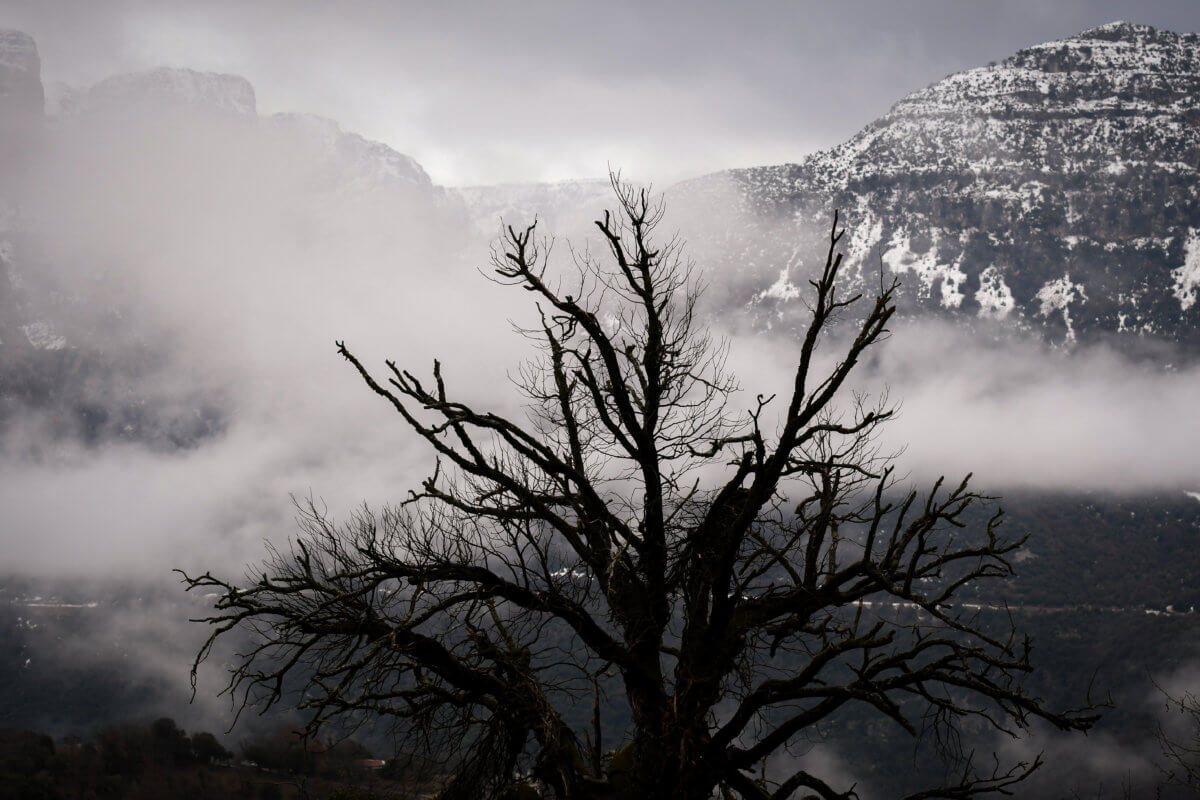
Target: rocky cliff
(1056, 190)
(20, 74)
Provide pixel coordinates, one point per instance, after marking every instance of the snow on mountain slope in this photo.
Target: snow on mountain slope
(349, 160)
(1071, 162)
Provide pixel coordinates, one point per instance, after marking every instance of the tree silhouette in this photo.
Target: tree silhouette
(1181, 747)
(712, 578)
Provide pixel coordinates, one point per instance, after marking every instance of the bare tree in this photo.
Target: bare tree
(714, 577)
(1181, 745)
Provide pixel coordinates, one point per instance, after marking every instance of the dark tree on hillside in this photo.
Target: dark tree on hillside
(639, 542)
(169, 744)
(206, 749)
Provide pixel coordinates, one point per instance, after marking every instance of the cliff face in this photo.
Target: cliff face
(165, 88)
(1057, 189)
(20, 74)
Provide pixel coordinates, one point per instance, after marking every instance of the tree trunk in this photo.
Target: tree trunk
(667, 761)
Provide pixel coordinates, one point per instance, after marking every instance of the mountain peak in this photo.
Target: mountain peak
(1118, 30)
(1114, 47)
(175, 87)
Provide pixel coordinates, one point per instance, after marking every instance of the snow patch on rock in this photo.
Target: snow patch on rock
(42, 336)
(867, 234)
(994, 297)
(1057, 295)
(782, 288)
(900, 258)
(1187, 277)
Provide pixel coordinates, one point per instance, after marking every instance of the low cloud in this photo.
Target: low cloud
(224, 266)
(1015, 412)
(1022, 415)
(208, 267)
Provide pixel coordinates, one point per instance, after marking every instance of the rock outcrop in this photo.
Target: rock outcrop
(20, 74)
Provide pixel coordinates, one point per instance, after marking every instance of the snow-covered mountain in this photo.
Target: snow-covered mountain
(1057, 189)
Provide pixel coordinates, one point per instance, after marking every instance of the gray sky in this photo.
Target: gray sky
(483, 92)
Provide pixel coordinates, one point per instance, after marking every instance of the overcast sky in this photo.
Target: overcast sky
(485, 92)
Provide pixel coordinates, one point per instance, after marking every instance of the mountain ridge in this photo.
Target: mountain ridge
(1056, 189)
